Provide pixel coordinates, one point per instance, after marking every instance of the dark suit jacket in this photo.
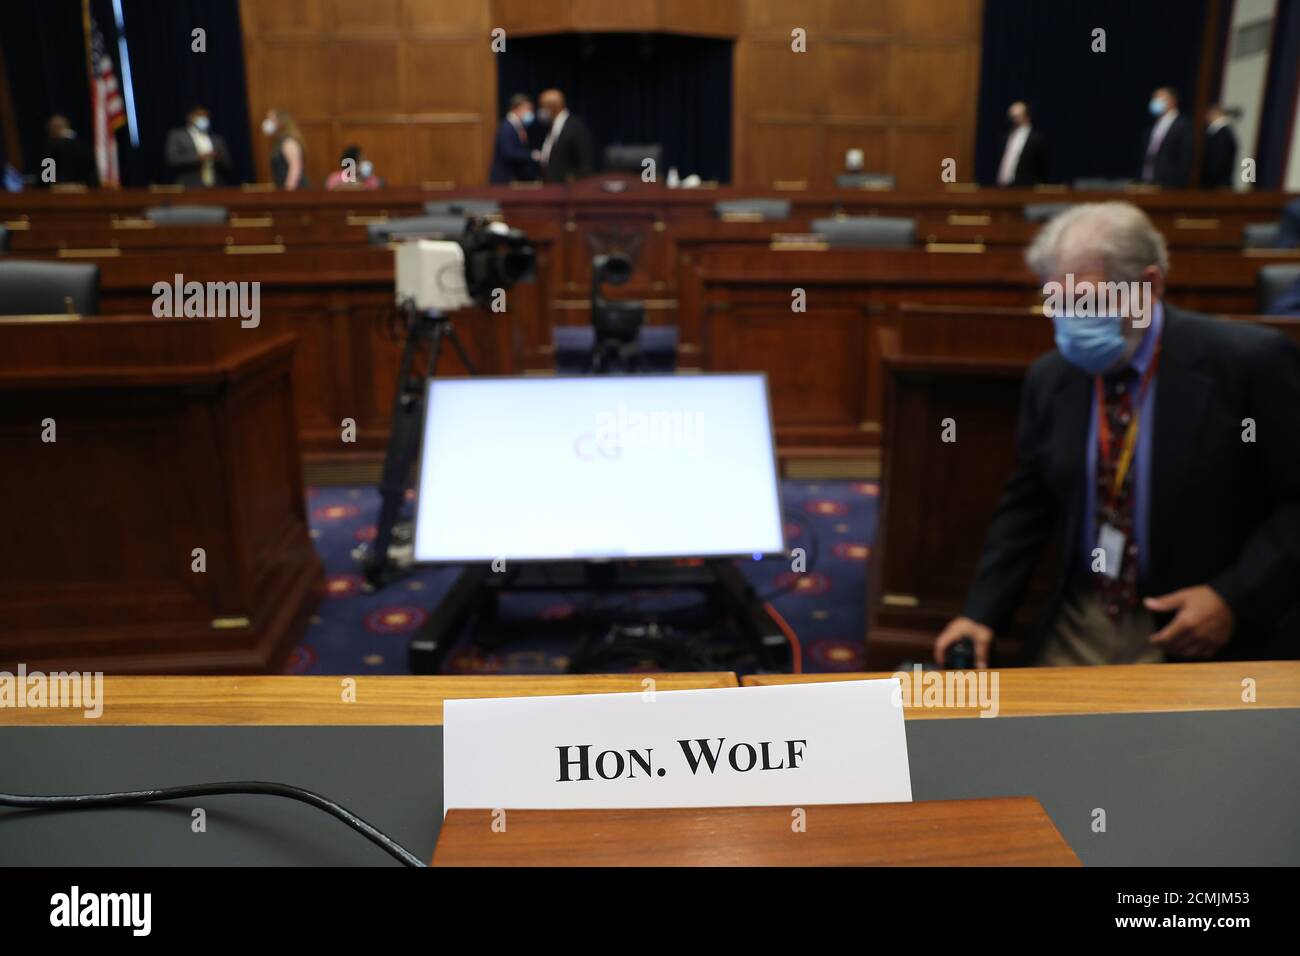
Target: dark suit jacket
(1224, 512)
(1219, 167)
(512, 158)
(183, 159)
(571, 153)
(1173, 162)
(1031, 167)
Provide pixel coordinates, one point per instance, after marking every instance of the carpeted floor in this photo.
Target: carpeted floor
(356, 631)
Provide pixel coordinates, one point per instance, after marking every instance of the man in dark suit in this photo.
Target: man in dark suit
(513, 159)
(1219, 167)
(74, 161)
(1167, 159)
(566, 154)
(196, 156)
(1161, 449)
(1024, 155)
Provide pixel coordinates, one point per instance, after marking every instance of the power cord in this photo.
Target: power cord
(88, 801)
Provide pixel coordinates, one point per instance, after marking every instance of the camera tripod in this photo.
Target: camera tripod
(404, 438)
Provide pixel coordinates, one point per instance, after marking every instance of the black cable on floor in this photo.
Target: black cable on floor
(88, 801)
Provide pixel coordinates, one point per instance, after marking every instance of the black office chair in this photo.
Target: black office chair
(1271, 282)
(875, 181)
(1096, 184)
(1043, 211)
(867, 232)
(1259, 235)
(748, 208)
(477, 208)
(630, 158)
(415, 227)
(48, 288)
(188, 215)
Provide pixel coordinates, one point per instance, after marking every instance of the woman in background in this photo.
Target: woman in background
(288, 160)
(355, 172)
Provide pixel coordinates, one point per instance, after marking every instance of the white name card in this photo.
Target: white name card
(835, 742)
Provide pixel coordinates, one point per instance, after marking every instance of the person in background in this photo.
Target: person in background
(196, 156)
(1288, 227)
(567, 152)
(1167, 160)
(1177, 524)
(1219, 167)
(354, 172)
(288, 158)
(74, 162)
(1288, 303)
(1024, 157)
(512, 158)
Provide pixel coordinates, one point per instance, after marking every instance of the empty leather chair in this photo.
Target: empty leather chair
(188, 215)
(867, 232)
(1102, 185)
(763, 208)
(865, 181)
(463, 207)
(1259, 235)
(631, 157)
(48, 288)
(1271, 282)
(415, 227)
(1043, 211)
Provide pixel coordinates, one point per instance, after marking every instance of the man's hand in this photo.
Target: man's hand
(959, 627)
(1201, 626)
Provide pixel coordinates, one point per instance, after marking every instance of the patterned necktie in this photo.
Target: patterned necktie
(1120, 593)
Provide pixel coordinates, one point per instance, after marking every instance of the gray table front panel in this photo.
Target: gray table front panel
(1214, 788)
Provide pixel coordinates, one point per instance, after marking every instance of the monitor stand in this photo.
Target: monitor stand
(730, 601)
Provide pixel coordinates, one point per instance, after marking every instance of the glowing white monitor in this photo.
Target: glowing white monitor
(597, 467)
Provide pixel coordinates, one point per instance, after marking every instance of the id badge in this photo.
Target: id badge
(1111, 542)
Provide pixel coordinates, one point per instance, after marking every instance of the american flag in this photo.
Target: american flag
(107, 108)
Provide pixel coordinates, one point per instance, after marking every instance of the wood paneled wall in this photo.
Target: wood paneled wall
(896, 78)
(414, 81)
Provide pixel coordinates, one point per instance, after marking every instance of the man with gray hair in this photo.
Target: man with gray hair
(1161, 448)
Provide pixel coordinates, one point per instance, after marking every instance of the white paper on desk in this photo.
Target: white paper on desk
(834, 742)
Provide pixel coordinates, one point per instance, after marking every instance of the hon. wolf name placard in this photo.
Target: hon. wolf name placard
(835, 742)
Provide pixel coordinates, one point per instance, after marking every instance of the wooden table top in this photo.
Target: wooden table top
(308, 701)
(1118, 689)
(1008, 831)
(413, 700)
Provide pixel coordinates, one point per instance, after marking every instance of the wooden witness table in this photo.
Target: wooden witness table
(417, 701)
(1011, 831)
(1003, 831)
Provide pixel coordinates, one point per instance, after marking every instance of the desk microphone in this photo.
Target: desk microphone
(960, 656)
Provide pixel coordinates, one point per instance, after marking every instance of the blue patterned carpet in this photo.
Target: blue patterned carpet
(355, 631)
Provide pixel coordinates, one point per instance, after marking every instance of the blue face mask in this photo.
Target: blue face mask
(527, 118)
(1156, 106)
(1093, 343)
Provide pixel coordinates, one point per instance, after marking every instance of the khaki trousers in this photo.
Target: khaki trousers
(1082, 634)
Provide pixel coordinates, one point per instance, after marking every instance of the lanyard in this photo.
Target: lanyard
(1130, 437)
